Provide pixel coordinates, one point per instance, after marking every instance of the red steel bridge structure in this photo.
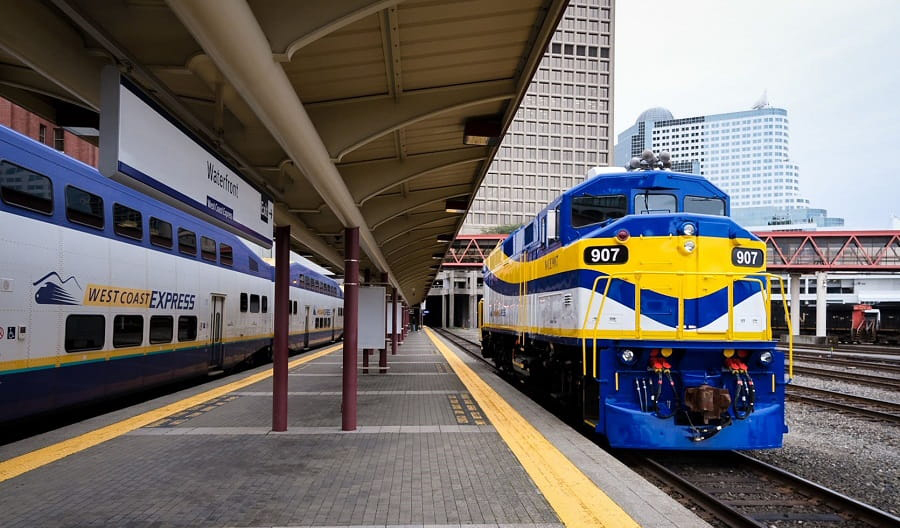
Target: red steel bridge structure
(787, 251)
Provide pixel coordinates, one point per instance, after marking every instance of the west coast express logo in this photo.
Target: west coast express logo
(58, 291)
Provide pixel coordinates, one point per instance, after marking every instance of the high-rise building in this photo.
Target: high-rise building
(562, 127)
(746, 154)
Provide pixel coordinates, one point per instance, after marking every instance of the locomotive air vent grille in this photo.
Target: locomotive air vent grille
(567, 299)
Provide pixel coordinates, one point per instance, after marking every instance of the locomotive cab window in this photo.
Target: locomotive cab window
(128, 330)
(650, 203)
(187, 242)
(84, 208)
(588, 209)
(26, 189)
(85, 332)
(160, 233)
(704, 205)
(127, 222)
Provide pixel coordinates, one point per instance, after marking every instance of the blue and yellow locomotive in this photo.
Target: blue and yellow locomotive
(637, 302)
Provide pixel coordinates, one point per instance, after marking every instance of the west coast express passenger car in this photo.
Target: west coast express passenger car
(104, 290)
(636, 301)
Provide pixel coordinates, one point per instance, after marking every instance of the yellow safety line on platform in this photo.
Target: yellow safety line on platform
(24, 463)
(574, 497)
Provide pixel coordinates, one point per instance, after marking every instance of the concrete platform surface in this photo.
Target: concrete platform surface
(426, 454)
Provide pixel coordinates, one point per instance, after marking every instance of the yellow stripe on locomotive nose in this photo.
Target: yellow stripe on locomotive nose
(646, 254)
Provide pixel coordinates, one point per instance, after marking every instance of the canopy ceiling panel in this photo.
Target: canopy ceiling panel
(347, 113)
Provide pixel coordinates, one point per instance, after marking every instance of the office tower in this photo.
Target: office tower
(563, 126)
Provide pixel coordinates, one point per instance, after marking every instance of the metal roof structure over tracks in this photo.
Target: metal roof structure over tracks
(348, 113)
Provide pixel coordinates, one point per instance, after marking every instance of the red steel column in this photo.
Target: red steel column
(382, 353)
(367, 278)
(282, 301)
(351, 323)
(394, 322)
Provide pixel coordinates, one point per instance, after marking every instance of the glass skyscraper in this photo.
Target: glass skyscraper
(746, 154)
(562, 128)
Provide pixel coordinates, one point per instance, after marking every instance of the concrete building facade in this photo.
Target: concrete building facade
(563, 126)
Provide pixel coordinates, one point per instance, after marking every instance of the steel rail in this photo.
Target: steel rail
(862, 379)
(831, 399)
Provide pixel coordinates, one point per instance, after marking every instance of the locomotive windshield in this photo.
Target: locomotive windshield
(647, 203)
(588, 209)
(704, 205)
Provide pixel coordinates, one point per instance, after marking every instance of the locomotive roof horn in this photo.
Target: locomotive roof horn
(649, 161)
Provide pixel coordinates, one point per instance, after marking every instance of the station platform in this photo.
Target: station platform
(442, 442)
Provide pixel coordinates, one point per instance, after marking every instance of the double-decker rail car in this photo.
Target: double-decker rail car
(104, 290)
(639, 304)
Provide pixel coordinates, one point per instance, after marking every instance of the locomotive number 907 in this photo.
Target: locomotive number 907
(748, 257)
(606, 255)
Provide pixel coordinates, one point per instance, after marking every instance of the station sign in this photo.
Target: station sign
(146, 148)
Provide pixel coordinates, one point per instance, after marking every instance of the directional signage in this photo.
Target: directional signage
(144, 147)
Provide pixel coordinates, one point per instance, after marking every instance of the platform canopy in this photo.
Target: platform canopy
(381, 115)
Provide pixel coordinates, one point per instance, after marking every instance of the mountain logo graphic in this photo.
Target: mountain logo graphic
(55, 290)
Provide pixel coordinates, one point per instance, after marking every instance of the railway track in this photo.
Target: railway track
(877, 409)
(741, 491)
(868, 364)
(862, 379)
(883, 350)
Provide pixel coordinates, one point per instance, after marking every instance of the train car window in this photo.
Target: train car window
(160, 233)
(265, 304)
(254, 303)
(226, 254)
(704, 205)
(254, 266)
(127, 222)
(244, 303)
(85, 332)
(208, 249)
(162, 328)
(294, 307)
(588, 209)
(128, 330)
(187, 242)
(84, 208)
(187, 328)
(647, 203)
(529, 233)
(26, 189)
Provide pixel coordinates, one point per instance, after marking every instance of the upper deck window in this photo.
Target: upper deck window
(588, 209)
(24, 188)
(160, 233)
(187, 241)
(208, 248)
(127, 222)
(704, 205)
(84, 208)
(647, 203)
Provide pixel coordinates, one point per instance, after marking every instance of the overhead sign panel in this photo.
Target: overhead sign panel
(144, 147)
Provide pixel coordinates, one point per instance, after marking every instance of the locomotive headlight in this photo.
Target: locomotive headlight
(765, 358)
(689, 246)
(627, 356)
(688, 229)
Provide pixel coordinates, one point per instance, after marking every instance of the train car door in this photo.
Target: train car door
(306, 329)
(216, 355)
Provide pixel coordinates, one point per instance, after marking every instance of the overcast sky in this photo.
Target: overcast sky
(834, 65)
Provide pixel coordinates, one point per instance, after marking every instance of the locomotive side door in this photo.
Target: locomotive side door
(216, 351)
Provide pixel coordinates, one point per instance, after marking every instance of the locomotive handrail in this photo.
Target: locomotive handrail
(480, 314)
(765, 291)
